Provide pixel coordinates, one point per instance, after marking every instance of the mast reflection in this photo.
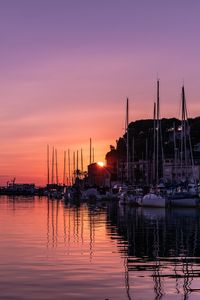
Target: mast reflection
(157, 247)
(160, 244)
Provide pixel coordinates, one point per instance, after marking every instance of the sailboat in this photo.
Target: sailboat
(153, 199)
(187, 197)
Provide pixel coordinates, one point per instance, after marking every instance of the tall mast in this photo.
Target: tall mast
(158, 129)
(77, 163)
(69, 167)
(47, 164)
(81, 161)
(158, 100)
(154, 143)
(90, 151)
(64, 169)
(133, 159)
(56, 166)
(182, 130)
(52, 173)
(187, 132)
(175, 158)
(127, 137)
(146, 158)
(74, 164)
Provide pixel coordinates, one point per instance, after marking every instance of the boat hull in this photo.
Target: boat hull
(153, 200)
(185, 202)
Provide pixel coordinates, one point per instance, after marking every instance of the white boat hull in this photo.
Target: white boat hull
(125, 199)
(153, 200)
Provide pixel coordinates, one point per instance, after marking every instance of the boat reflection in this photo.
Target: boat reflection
(160, 244)
(159, 248)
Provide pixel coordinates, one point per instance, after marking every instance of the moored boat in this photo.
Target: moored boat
(184, 199)
(153, 200)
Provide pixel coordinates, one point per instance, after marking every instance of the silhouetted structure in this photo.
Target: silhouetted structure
(141, 150)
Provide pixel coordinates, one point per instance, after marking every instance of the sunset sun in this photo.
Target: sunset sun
(101, 163)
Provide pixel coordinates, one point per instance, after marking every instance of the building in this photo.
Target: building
(178, 173)
(98, 175)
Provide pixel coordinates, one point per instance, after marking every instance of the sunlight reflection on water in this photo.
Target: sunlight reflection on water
(53, 250)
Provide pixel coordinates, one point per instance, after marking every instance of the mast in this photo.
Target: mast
(48, 164)
(69, 167)
(189, 137)
(81, 161)
(74, 165)
(77, 163)
(52, 173)
(146, 158)
(64, 169)
(183, 137)
(133, 159)
(175, 158)
(154, 143)
(90, 151)
(56, 166)
(185, 132)
(127, 137)
(182, 132)
(157, 135)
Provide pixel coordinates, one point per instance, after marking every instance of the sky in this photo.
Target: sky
(67, 66)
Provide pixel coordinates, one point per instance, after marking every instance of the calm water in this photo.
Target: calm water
(51, 250)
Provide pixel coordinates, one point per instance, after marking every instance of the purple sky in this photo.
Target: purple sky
(66, 68)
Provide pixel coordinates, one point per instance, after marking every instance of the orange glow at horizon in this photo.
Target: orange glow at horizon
(23, 154)
(64, 82)
(101, 163)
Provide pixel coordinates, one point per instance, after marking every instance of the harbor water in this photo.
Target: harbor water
(56, 250)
